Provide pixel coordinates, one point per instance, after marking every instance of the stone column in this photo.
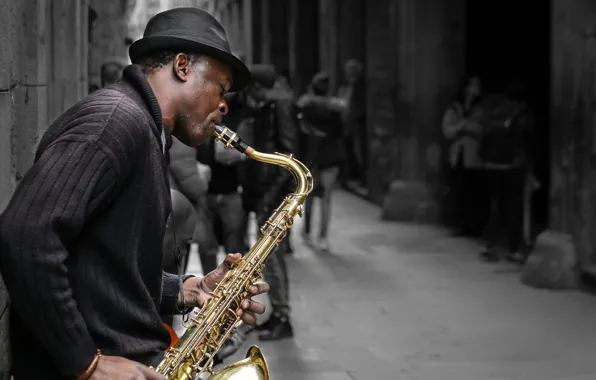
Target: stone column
(248, 30)
(274, 33)
(328, 40)
(351, 29)
(42, 71)
(303, 42)
(380, 71)
(265, 37)
(405, 112)
(573, 132)
(257, 31)
(83, 32)
(67, 40)
(108, 34)
(234, 26)
(23, 88)
(7, 86)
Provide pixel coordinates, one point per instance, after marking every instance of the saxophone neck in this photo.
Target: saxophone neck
(300, 172)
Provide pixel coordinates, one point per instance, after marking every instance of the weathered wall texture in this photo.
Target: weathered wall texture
(23, 91)
(381, 91)
(329, 41)
(66, 50)
(108, 32)
(303, 39)
(342, 34)
(573, 124)
(415, 59)
(38, 77)
(240, 19)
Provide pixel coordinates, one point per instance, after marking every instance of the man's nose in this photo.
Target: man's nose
(223, 108)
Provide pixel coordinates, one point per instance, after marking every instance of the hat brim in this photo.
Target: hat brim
(240, 72)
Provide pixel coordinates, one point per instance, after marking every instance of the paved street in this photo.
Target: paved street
(397, 301)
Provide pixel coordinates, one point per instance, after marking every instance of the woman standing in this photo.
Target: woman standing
(462, 128)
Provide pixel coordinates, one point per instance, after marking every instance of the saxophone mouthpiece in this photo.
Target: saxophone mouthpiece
(219, 129)
(231, 139)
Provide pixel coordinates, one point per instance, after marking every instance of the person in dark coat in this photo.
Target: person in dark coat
(221, 221)
(81, 239)
(192, 184)
(265, 185)
(322, 151)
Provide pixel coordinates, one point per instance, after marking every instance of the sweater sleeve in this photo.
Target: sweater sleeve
(71, 179)
(170, 289)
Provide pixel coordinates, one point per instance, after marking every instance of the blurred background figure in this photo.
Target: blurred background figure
(222, 219)
(111, 72)
(507, 152)
(321, 128)
(353, 92)
(265, 186)
(462, 130)
(187, 180)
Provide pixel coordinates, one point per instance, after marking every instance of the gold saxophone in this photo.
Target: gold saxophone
(217, 320)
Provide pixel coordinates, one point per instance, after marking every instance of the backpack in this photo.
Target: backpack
(5, 358)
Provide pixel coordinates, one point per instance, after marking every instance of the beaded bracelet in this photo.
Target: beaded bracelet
(89, 371)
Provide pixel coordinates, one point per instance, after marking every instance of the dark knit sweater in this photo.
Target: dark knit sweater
(81, 240)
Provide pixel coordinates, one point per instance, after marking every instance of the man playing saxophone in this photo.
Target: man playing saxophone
(81, 239)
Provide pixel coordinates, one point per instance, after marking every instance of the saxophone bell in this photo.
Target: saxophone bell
(253, 367)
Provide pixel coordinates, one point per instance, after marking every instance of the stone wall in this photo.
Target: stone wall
(381, 96)
(573, 132)
(303, 43)
(240, 21)
(425, 61)
(37, 77)
(113, 21)
(66, 34)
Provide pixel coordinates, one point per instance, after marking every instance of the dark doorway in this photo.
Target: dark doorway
(510, 40)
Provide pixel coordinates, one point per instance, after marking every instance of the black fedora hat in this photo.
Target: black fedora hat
(190, 30)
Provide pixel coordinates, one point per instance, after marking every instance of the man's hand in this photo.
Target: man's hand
(197, 290)
(117, 368)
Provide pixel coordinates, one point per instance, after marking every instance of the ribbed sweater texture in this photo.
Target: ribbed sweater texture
(81, 239)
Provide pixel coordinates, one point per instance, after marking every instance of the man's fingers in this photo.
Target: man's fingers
(259, 288)
(253, 307)
(249, 318)
(231, 258)
(149, 374)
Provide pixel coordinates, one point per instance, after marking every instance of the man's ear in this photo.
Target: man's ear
(181, 67)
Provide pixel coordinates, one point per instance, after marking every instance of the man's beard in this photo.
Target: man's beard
(187, 134)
